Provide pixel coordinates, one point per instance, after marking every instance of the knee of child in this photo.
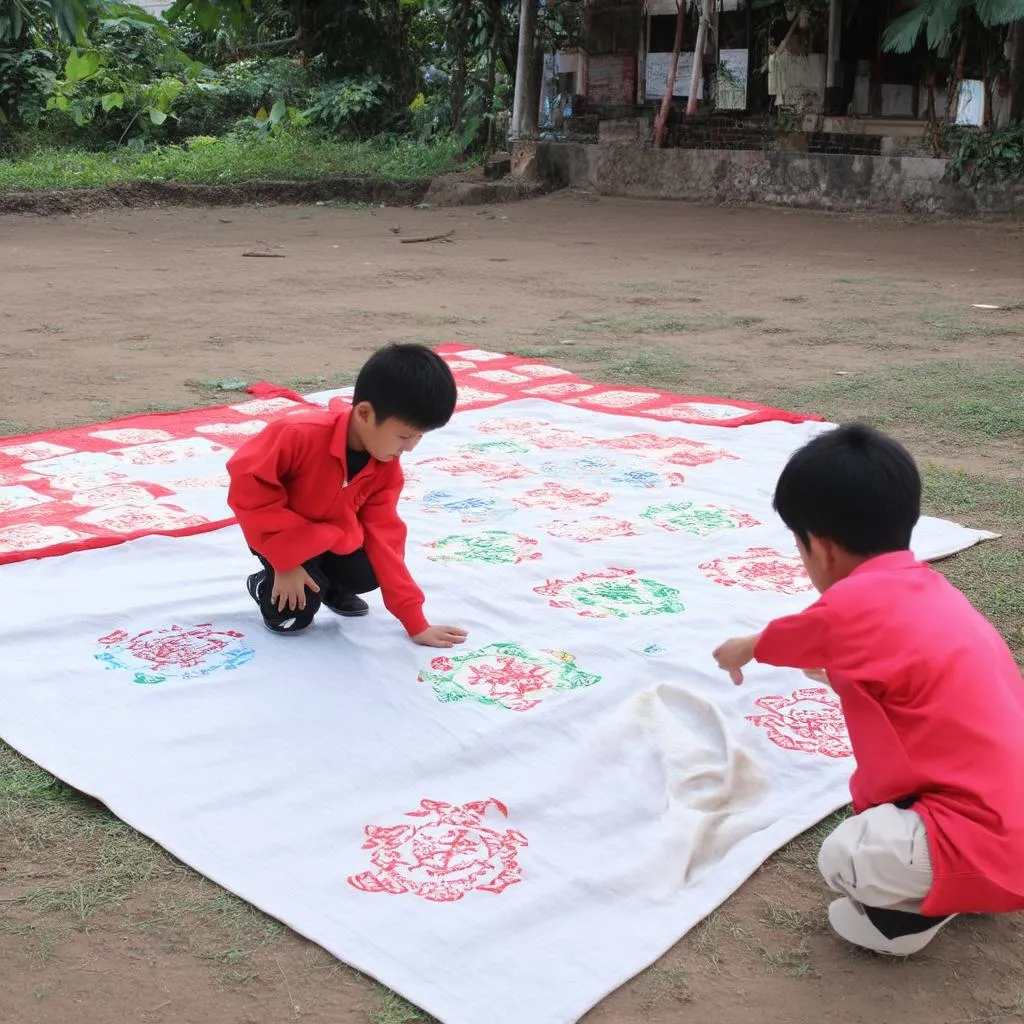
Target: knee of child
(835, 862)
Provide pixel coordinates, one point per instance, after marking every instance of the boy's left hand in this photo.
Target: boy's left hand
(734, 654)
(440, 636)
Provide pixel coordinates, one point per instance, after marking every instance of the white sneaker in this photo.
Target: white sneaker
(849, 922)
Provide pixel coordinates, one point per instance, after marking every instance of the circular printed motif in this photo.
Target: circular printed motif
(586, 531)
(448, 853)
(469, 508)
(505, 675)
(477, 465)
(612, 593)
(760, 569)
(539, 433)
(492, 547)
(181, 652)
(598, 469)
(555, 497)
(700, 520)
(809, 720)
(495, 448)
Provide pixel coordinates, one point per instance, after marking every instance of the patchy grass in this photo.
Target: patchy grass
(321, 383)
(842, 332)
(662, 986)
(301, 156)
(952, 400)
(796, 962)
(393, 1009)
(782, 918)
(966, 325)
(802, 852)
(986, 501)
(110, 859)
(110, 411)
(626, 323)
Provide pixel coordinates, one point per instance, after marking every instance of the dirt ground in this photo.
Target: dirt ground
(118, 312)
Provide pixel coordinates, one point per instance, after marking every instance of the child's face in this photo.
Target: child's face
(386, 439)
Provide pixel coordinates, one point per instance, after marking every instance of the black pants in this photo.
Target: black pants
(333, 574)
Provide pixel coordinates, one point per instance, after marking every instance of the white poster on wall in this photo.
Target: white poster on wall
(732, 85)
(656, 73)
(731, 89)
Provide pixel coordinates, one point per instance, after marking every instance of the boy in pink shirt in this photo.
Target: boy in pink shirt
(933, 701)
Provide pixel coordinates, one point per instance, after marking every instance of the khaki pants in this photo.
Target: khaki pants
(879, 858)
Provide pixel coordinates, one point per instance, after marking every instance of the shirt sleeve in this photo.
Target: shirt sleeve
(384, 536)
(258, 495)
(798, 641)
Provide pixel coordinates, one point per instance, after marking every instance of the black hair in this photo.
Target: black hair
(854, 486)
(410, 383)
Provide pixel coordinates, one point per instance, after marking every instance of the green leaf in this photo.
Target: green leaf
(278, 112)
(157, 116)
(110, 100)
(82, 65)
(999, 12)
(902, 34)
(943, 19)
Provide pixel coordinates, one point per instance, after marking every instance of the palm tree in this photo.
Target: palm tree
(939, 18)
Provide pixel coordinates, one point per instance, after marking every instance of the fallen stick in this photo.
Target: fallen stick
(266, 255)
(429, 238)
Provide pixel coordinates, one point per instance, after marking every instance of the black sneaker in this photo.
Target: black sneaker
(253, 584)
(287, 624)
(342, 602)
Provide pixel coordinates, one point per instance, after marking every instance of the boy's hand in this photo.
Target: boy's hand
(440, 636)
(290, 589)
(734, 654)
(819, 675)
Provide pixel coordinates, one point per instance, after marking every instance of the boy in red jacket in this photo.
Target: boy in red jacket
(316, 495)
(933, 701)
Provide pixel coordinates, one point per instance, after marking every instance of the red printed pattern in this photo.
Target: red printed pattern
(449, 853)
(94, 486)
(809, 721)
(91, 486)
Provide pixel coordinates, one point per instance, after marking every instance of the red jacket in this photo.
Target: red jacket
(934, 704)
(289, 493)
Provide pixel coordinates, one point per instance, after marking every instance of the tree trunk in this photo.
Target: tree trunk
(531, 112)
(1017, 74)
(524, 71)
(707, 11)
(955, 82)
(661, 121)
(492, 72)
(459, 78)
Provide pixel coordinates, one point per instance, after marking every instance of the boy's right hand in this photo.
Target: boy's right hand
(734, 654)
(290, 589)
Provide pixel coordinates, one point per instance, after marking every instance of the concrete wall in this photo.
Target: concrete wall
(810, 180)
